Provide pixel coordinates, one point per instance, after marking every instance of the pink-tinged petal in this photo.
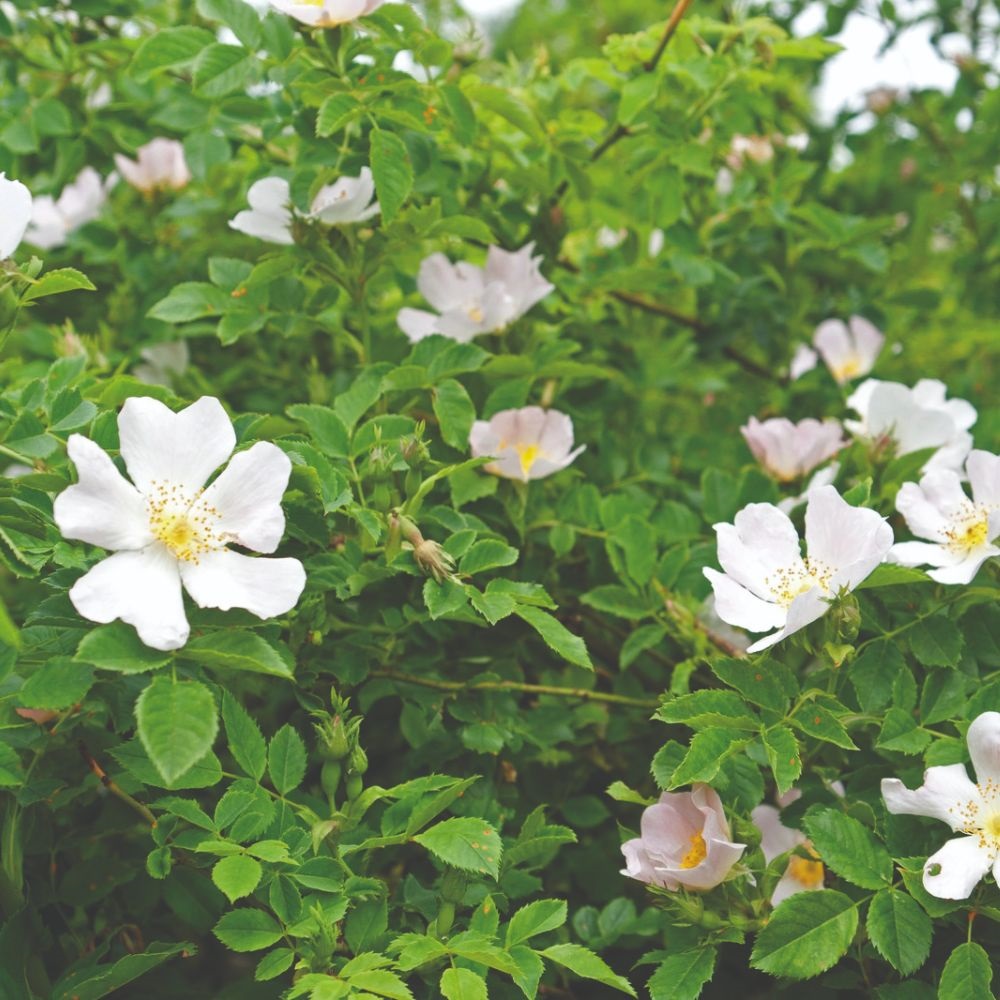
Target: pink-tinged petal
(141, 588)
(47, 228)
(15, 214)
(960, 866)
(720, 857)
(946, 789)
(775, 837)
(417, 323)
(868, 341)
(736, 605)
(639, 865)
(922, 517)
(983, 469)
(849, 541)
(224, 579)
(834, 344)
(247, 495)
(102, 508)
(182, 449)
(803, 360)
(483, 439)
(983, 739)
(458, 325)
(446, 286)
(789, 885)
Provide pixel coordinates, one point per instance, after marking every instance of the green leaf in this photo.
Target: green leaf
(377, 982)
(221, 69)
(238, 650)
(763, 682)
(335, 112)
(462, 984)
(706, 754)
(190, 300)
(708, 708)
(274, 963)
(488, 554)
(247, 929)
(246, 742)
(849, 848)
(325, 426)
(874, 672)
(936, 642)
(683, 976)
(584, 963)
(615, 600)
(392, 171)
(967, 974)
(236, 15)
(535, 918)
(118, 647)
(942, 697)
(464, 842)
(177, 724)
(168, 48)
(63, 279)
(455, 412)
(782, 750)
(557, 637)
(901, 733)
(444, 598)
(365, 924)
(286, 760)
(807, 934)
(820, 722)
(95, 982)
(60, 683)
(237, 876)
(636, 94)
(900, 930)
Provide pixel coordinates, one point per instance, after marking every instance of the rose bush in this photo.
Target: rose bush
(494, 513)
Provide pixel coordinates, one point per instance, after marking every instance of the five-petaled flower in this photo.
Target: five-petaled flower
(170, 528)
(347, 201)
(529, 443)
(15, 214)
(159, 166)
(473, 300)
(684, 841)
(960, 531)
(80, 202)
(904, 420)
(849, 349)
(326, 13)
(973, 810)
(790, 451)
(767, 584)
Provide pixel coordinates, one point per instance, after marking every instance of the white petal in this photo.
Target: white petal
(963, 862)
(803, 360)
(983, 469)
(47, 228)
(141, 588)
(417, 323)
(263, 226)
(247, 494)
(851, 541)
(868, 341)
(183, 448)
(983, 738)
(964, 571)
(226, 579)
(775, 837)
(804, 610)
(921, 554)
(922, 516)
(737, 606)
(944, 791)
(789, 885)
(15, 214)
(761, 543)
(457, 324)
(834, 343)
(943, 488)
(103, 508)
(447, 286)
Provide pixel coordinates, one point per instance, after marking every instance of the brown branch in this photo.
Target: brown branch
(114, 789)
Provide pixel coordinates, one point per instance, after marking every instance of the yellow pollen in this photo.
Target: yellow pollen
(848, 369)
(992, 826)
(530, 453)
(476, 314)
(807, 873)
(187, 527)
(697, 854)
(792, 581)
(970, 530)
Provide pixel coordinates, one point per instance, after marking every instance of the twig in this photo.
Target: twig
(458, 686)
(119, 793)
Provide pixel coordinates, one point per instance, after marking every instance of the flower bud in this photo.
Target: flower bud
(358, 762)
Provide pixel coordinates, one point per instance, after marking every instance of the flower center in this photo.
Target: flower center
(696, 855)
(797, 579)
(981, 818)
(809, 874)
(970, 529)
(475, 314)
(848, 369)
(187, 527)
(529, 453)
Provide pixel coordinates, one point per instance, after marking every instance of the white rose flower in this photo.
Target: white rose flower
(972, 810)
(767, 584)
(159, 166)
(346, 201)
(170, 529)
(790, 451)
(802, 874)
(326, 13)
(529, 443)
(474, 300)
(52, 220)
(162, 363)
(803, 360)
(850, 349)
(914, 419)
(960, 531)
(15, 214)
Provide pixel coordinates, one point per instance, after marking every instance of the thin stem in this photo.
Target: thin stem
(114, 789)
(456, 687)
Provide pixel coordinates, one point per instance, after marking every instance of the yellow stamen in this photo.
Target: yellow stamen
(848, 370)
(476, 314)
(530, 453)
(808, 874)
(697, 854)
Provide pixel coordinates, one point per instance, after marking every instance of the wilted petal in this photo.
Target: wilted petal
(226, 580)
(102, 508)
(141, 588)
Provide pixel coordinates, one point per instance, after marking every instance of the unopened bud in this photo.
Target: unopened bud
(358, 762)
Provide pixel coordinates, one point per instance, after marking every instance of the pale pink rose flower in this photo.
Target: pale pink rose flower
(326, 13)
(803, 360)
(684, 841)
(159, 166)
(790, 451)
(849, 349)
(529, 443)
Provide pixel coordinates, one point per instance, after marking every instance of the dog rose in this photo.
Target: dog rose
(52, 220)
(159, 166)
(849, 349)
(326, 13)
(684, 841)
(972, 810)
(801, 874)
(529, 443)
(15, 214)
(768, 584)
(790, 451)
(167, 528)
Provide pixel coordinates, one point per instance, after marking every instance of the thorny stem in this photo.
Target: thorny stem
(458, 686)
